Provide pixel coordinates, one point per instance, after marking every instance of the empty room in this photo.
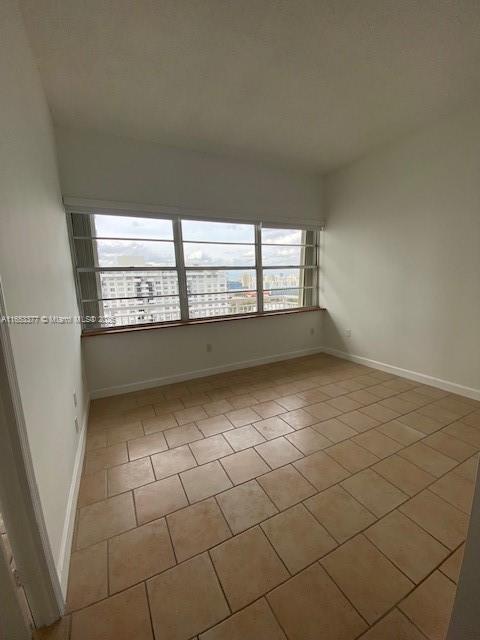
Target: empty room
(239, 319)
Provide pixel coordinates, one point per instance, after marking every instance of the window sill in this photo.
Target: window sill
(187, 323)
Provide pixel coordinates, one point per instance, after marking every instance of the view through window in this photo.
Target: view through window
(136, 270)
(220, 268)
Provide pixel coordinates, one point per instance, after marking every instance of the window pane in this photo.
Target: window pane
(280, 255)
(273, 300)
(128, 284)
(132, 227)
(218, 255)
(283, 278)
(116, 313)
(220, 269)
(218, 281)
(125, 253)
(283, 236)
(222, 304)
(217, 231)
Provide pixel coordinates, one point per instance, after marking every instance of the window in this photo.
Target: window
(133, 270)
(220, 268)
(289, 268)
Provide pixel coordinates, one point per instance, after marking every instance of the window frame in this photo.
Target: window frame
(181, 269)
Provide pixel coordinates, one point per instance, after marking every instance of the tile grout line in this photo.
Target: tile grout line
(421, 406)
(149, 607)
(219, 582)
(290, 576)
(408, 496)
(274, 616)
(277, 554)
(172, 545)
(282, 511)
(352, 474)
(383, 616)
(432, 401)
(397, 418)
(224, 517)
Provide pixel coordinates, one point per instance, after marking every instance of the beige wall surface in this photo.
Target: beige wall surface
(36, 273)
(401, 261)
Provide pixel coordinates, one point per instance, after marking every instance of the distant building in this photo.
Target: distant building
(134, 296)
(139, 297)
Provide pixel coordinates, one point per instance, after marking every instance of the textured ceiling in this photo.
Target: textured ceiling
(310, 83)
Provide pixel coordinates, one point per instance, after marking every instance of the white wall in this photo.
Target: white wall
(117, 362)
(402, 253)
(101, 167)
(111, 168)
(36, 273)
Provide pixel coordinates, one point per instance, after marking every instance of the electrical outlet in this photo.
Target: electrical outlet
(348, 333)
(209, 347)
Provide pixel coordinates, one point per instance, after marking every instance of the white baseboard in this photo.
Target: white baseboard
(200, 373)
(63, 565)
(423, 378)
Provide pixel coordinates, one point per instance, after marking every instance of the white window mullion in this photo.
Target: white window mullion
(180, 262)
(316, 274)
(258, 266)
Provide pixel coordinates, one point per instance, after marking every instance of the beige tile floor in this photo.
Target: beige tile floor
(311, 498)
